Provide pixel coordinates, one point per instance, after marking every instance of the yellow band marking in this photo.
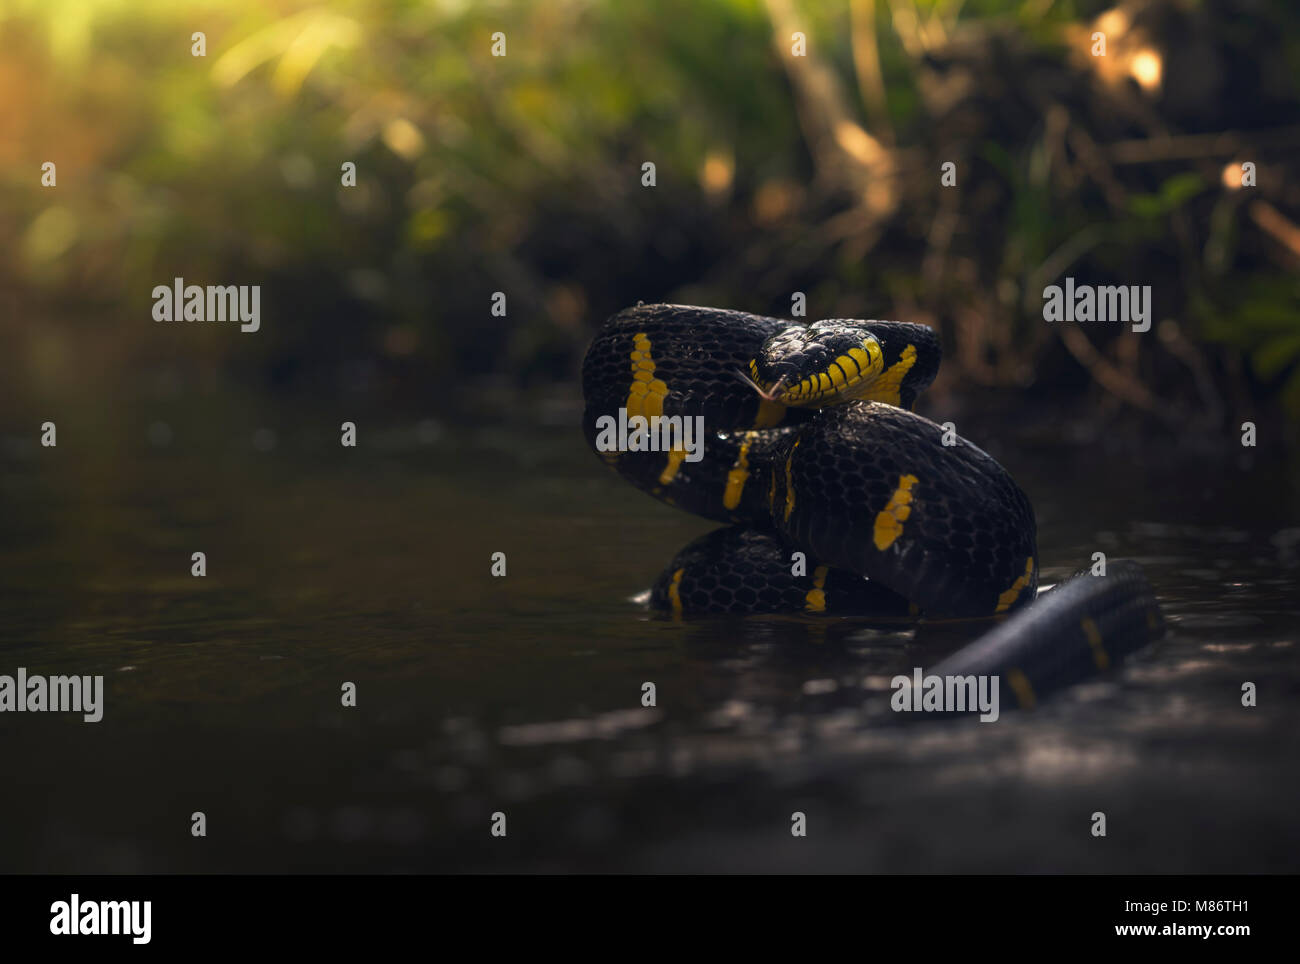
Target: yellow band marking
(860, 356)
(789, 481)
(1099, 654)
(675, 592)
(647, 393)
(886, 388)
(1007, 598)
(675, 456)
(769, 414)
(845, 378)
(890, 519)
(815, 599)
(848, 377)
(739, 473)
(1023, 690)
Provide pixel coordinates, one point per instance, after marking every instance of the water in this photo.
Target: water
(522, 694)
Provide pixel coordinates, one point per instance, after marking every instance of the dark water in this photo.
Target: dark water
(522, 694)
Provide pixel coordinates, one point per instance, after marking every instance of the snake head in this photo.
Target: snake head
(811, 366)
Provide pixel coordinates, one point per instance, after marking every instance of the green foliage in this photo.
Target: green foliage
(478, 173)
(1174, 193)
(1264, 325)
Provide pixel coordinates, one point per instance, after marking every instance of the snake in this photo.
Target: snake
(836, 497)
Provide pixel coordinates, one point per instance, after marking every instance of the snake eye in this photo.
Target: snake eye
(781, 364)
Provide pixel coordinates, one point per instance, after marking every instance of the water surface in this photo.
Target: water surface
(522, 694)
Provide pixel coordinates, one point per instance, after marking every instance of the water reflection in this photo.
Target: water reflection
(523, 695)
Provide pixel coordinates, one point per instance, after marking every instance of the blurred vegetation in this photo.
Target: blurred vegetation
(775, 174)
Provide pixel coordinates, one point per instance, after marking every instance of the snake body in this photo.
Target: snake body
(838, 498)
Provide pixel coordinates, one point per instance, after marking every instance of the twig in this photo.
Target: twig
(1059, 260)
(866, 61)
(908, 27)
(1095, 161)
(1176, 148)
(1105, 374)
(1276, 224)
(1172, 337)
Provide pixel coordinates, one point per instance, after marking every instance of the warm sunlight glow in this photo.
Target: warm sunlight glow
(1146, 68)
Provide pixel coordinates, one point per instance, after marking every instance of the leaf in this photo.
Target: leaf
(1146, 205)
(1181, 188)
(1275, 355)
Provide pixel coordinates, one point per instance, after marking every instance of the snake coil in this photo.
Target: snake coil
(810, 447)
